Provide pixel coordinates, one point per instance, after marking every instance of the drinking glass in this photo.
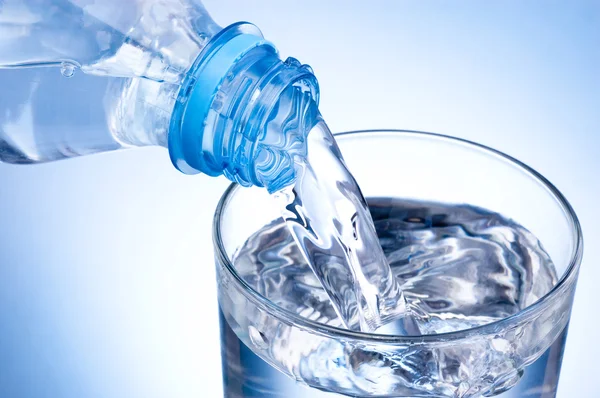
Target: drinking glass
(272, 352)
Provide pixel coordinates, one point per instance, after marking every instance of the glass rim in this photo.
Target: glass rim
(492, 327)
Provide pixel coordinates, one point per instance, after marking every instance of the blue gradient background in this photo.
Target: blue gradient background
(107, 286)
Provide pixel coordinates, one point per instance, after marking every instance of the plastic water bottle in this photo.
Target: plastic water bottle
(87, 76)
(79, 77)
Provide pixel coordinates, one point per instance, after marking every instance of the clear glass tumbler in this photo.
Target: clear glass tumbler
(272, 352)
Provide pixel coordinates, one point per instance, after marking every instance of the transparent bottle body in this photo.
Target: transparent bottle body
(82, 76)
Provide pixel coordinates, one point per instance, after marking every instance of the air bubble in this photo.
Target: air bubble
(67, 69)
(505, 383)
(258, 338)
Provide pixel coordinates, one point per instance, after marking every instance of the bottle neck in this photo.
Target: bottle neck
(243, 112)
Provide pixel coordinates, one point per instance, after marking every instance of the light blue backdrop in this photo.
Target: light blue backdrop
(107, 287)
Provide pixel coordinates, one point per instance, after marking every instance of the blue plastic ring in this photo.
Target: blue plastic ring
(186, 142)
